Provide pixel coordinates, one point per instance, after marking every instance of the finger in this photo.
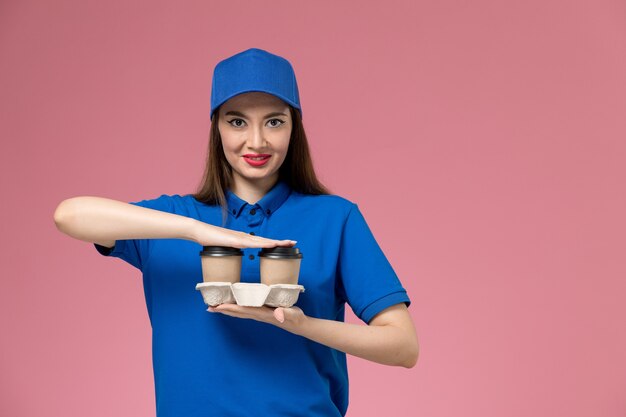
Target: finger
(262, 242)
(245, 311)
(269, 243)
(287, 243)
(230, 308)
(279, 314)
(233, 312)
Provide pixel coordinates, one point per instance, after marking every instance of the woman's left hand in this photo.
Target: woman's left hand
(285, 317)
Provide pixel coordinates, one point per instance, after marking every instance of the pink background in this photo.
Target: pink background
(484, 142)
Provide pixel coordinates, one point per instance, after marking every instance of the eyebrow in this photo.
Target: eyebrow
(236, 113)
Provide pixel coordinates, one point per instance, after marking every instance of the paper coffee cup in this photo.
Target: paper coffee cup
(221, 264)
(280, 265)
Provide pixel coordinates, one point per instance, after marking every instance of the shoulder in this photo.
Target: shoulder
(166, 202)
(332, 203)
(332, 200)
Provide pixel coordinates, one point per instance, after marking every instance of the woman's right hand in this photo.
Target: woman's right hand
(210, 235)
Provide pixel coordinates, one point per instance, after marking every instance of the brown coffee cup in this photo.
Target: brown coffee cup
(221, 264)
(280, 265)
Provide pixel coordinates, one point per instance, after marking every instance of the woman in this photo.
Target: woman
(259, 181)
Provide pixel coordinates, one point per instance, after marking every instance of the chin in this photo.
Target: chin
(256, 173)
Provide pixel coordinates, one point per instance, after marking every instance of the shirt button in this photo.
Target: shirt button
(268, 211)
(250, 256)
(234, 211)
(253, 211)
(252, 233)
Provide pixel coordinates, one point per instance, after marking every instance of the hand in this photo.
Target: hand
(210, 235)
(288, 318)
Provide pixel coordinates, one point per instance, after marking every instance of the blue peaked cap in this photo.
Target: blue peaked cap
(254, 70)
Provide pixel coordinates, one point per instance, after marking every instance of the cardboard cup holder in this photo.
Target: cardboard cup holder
(249, 294)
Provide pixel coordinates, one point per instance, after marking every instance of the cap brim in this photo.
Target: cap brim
(280, 96)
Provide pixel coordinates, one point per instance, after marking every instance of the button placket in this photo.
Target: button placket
(254, 220)
(251, 256)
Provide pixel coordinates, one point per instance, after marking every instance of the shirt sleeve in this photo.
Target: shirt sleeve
(369, 283)
(136, 251)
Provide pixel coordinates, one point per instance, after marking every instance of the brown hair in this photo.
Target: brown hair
(297, 168)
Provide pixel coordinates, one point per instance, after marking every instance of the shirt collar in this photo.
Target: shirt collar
(270, 202)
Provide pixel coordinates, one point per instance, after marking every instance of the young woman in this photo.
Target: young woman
(259, 181)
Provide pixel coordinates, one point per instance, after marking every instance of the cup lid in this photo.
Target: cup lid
(220, 251)
(280, 252)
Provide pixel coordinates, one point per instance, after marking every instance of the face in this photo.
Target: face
(255, 128)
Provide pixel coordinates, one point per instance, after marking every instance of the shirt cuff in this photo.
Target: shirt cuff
(103, 250)
(379, 305)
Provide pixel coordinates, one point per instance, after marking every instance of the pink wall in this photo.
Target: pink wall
(483, 141)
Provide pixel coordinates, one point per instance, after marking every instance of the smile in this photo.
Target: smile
(256, 160)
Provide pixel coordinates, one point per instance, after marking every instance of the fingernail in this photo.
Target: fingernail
(211, 309)
(294, 241)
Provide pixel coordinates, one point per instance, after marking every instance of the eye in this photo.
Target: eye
(278, 120)
(235, 120)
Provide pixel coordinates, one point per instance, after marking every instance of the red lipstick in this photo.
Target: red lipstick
(256, 159)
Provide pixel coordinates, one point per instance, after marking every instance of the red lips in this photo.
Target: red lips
(256, 162)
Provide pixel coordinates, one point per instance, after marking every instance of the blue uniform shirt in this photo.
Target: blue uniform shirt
(212, 364)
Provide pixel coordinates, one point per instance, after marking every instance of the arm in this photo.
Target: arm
(103, 221)
(389, 339)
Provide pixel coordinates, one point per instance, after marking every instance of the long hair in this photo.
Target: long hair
(297, 168)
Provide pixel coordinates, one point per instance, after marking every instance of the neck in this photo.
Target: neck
(252, 191)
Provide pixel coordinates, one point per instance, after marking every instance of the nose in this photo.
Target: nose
(256, 138)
